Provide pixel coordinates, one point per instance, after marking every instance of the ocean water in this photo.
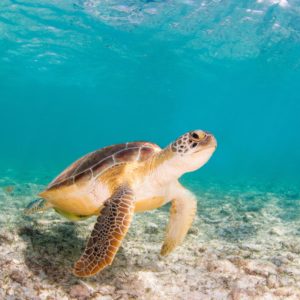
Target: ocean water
(79, 75)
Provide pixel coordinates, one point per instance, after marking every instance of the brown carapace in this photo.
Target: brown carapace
(97, 162)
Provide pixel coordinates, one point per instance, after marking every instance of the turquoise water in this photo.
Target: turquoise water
(79, 75)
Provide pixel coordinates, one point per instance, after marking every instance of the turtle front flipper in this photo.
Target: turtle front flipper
(108, 233)
(182, 213)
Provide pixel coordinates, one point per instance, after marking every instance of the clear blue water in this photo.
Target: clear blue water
(79, 75)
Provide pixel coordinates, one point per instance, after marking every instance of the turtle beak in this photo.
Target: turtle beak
(204, 140)
(213, 141)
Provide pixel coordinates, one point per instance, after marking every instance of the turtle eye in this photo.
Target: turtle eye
(195, 136)
(198, 135)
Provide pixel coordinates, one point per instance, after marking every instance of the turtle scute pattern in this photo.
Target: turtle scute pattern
(95, 163)
(108, 233)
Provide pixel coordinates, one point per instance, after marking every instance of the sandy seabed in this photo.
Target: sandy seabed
(244, 244)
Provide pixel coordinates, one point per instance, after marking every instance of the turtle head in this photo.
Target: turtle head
(194, 149)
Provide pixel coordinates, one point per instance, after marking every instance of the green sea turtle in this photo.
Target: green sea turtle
(116, 181)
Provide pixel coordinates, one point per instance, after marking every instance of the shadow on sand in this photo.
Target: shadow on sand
(52, 249)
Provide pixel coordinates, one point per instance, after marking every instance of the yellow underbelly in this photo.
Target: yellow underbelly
(149, 204)
(82, 203)
(74, 201)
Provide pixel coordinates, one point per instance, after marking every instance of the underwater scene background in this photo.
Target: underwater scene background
(79, 75)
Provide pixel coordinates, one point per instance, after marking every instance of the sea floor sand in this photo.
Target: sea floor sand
(244, 244)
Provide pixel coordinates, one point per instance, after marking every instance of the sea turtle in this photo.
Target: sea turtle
(116, 181)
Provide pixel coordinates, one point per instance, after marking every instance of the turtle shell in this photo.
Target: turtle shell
(95, 163)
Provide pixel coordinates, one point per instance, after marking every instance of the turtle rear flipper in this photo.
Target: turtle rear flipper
(37, 205)
(108, 233)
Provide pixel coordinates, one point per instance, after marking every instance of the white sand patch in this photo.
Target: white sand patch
(243, 247)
